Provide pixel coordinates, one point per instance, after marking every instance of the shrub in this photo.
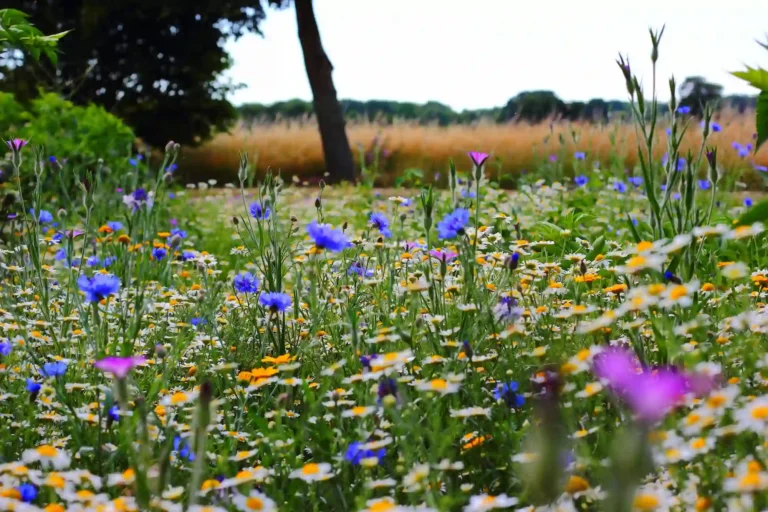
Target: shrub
(67, 131)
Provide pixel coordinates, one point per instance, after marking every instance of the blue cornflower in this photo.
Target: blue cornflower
(172, 168)
(198, 321)
(508, 393)
(681, 162)
(715, 127)
(705, 184)
(635, 180)
(245, 282)
(114, 413)
(668, 131)
(44, 217)
(133, 162)
(109, 260)
(188, 255)
(580, 180)
(580, 155)
(453, 223)
(275, 301)
(387, 386)
(761, 168)
(743, 152)
(380, 222)
(258, 211)
(140, 195)
(748, 202)
(619, 186)
(54, 369)
(57, 238)
(179, 232)
(359, 269)
(468, 194)
(355, 453)
(32, 387)
(115, 225)
(684, 110)
(93, 261)
(676, 196)
(183, 450)
(99, 286)
(325, 237)
(159, 253)
(5, 348)
(28, 492)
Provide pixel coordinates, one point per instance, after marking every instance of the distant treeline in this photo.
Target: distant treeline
(531, 106)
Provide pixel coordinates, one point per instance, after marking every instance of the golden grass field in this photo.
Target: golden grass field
(294, 148)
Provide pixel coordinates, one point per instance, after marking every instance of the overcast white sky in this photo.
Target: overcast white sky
(479, 53)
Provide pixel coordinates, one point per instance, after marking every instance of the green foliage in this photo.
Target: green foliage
(758, 78)
(157, 65)
(762, 119)
(11, 114)
(17, 33)
(533, 106)
(79, 134)
(527, 106)
(757, 213)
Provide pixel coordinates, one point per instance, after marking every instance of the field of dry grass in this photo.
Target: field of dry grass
(293, 147)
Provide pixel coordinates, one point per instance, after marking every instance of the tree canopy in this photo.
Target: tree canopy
(158, 65)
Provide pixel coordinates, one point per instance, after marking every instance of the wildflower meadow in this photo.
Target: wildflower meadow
(585, 342)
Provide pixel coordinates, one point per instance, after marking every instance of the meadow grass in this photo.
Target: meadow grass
(293, 147)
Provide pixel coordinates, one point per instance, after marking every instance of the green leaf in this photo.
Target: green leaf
(597, 248)
(762, 119)
(756, 213)
(756, 77)
(51, 54)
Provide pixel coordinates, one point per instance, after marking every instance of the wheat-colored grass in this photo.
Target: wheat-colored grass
(294, 148)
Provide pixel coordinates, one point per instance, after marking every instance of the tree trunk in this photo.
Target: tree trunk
(330, 117)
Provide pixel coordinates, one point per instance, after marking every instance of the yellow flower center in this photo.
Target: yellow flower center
(178, 397)
(716, 400)
(760, 412)
(644, 246)
(254, 504)
(47, 450)
(678, 292)
(749, 481)
(439, 384)
(576, 484)
(646, 502)
(381, 506)
(310, 469)
(698, 443)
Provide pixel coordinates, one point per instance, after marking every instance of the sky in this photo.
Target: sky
(479, 53)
